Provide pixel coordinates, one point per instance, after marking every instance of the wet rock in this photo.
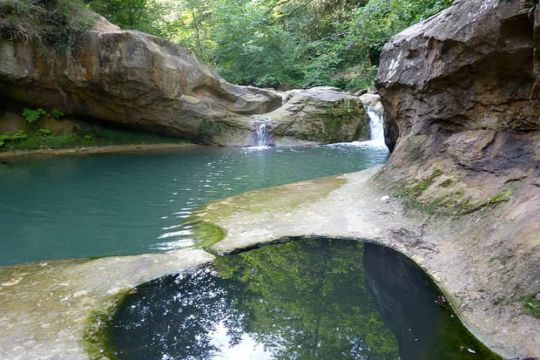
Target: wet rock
(321, 115)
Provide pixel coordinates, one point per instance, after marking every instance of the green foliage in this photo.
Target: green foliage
(57, 114)
(55, 23)
(309, 289)
(33, 115)
(16, 136)
(142, 15)
(532, 304)
(88, 136)
(44, 132)
(278, 43)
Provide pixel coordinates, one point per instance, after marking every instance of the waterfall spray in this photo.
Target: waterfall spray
(262, 128)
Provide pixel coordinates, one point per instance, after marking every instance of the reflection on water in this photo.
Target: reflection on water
(135, 203)
(311, 299)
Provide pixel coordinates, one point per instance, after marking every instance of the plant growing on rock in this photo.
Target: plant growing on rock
(18, 135)
(33, 115)
(57, 114)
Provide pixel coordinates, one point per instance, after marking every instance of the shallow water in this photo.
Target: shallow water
(309, 299)
(134, 203)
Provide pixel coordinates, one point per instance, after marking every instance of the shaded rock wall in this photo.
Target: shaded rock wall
(461, 89)
(462, 114)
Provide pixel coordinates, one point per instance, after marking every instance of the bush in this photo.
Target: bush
(18, 135)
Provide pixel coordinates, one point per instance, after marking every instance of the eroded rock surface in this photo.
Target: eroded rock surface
(465, 255)
(461, 99)
(320, 115)
(141, 81)
(48, 307)
(129, 78)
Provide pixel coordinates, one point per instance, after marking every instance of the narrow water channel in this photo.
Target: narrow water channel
(308, 299)
(135, 203)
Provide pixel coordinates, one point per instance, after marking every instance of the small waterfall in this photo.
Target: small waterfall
(376, 127)
(262, 129)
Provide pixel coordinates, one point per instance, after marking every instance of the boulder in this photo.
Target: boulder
(320, 115)
(473, 66)
(129, 78)
(11, 122)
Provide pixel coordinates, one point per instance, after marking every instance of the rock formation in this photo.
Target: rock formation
(321, 115)
(141, 81)
(462, 115)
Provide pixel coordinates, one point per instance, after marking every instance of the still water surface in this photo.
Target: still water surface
(135, 203)
(309, 299)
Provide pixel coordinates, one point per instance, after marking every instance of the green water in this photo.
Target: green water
(135, 203)
(309, 299)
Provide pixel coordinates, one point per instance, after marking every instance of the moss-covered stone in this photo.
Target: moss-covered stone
(532, 304)
(205, 221)
(452, 201)
(96, 338)
(207, 234)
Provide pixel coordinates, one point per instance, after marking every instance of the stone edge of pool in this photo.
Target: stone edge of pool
(53, 322)
(91, 150)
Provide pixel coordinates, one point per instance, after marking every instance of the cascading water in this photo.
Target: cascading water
(262, 136)
(376, 118)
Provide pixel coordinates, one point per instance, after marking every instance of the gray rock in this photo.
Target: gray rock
(321, 115)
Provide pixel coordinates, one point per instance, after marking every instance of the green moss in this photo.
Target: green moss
(342, 112)
(88, 135)
(532, 304)
(446, 183)
(207, 233)
(96, 338)
(277, 199)
(450, 203)
(423, 184)
(407, 197)
(500, 197)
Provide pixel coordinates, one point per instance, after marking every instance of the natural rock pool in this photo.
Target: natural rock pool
(135, 203)
(308, 299)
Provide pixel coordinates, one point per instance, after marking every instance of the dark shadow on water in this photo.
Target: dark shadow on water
(307, 299)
